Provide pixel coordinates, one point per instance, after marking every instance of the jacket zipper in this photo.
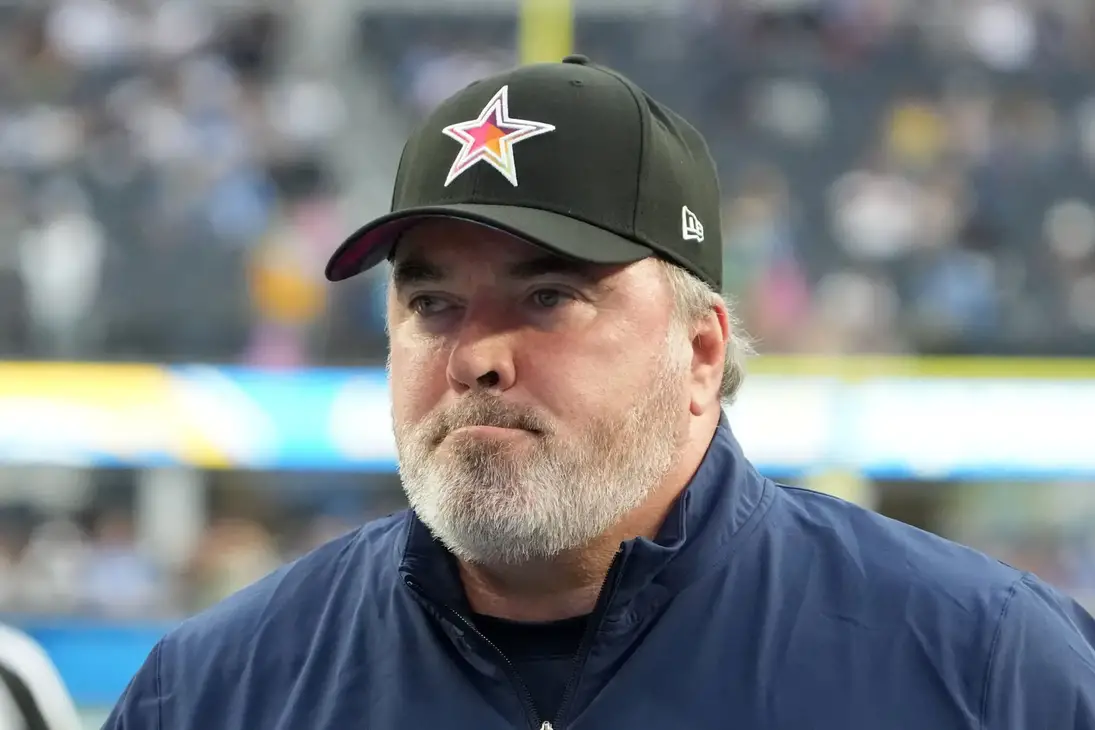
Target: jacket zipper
(522, 690)
(594, 627)
(579, 659)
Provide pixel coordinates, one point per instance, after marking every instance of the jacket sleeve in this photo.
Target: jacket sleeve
(1041, 672)
(139, 706)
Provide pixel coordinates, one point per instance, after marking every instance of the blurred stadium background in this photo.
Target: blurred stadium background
(184, 404)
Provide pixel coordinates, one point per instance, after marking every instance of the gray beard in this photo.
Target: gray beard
(502, 504)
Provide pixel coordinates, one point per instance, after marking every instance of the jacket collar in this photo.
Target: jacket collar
(719, 508)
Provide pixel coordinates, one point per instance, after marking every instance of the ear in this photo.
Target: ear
(710, 336)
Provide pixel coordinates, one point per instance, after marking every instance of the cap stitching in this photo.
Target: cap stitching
(642, 145)
(643, 130)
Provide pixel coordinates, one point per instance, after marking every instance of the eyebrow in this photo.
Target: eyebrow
(410, 272)
(416, 271)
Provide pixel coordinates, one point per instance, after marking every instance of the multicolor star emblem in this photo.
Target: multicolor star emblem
(491, 137)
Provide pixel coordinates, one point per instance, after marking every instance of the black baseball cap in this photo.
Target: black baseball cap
(572, 157)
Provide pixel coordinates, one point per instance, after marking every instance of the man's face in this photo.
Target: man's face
(536, 401)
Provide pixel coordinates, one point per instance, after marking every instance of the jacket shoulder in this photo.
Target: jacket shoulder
(265, 632)
(892, 554)
(335, 575)
(929, 594)
(914, 604)
(1016, 652)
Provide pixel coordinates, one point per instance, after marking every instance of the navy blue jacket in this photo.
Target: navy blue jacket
(758, 607)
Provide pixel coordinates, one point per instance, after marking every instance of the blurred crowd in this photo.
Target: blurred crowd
(159, 170)
(87, 558)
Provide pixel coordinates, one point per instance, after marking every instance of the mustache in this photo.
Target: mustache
(486, 411)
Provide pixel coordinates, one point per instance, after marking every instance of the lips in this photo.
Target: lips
(493, 426)
(508, 426)
(485, 412)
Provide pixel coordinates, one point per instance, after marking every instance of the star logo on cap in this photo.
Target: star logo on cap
(490, 138)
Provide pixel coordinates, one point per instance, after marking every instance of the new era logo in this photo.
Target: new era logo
(691, 228)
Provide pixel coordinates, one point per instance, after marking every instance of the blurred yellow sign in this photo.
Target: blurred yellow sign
(72, 412)
(851, 368)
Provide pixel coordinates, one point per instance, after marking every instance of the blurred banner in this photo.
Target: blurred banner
(882, 419)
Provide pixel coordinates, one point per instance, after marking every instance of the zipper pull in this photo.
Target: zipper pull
(546, 726)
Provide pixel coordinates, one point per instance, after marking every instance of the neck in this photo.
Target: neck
(564, 587)
(570, 584)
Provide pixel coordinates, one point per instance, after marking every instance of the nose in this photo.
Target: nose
(482, 358)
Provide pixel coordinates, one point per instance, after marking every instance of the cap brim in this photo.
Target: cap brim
(561, 234)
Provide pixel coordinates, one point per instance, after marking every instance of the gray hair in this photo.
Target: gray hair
(693, 299)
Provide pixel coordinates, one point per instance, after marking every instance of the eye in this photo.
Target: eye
(425, 305)
(550, 298)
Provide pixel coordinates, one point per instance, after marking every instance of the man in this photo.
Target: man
(588, 546)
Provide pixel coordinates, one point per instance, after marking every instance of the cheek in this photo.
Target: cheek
(586, 377)
(417, 378)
